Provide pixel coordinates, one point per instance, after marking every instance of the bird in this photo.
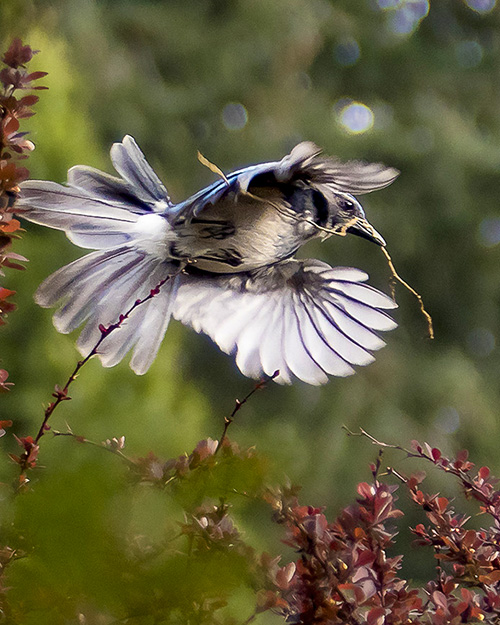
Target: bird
(222, 262)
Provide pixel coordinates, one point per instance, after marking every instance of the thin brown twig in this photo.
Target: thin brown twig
(239, 403)
(464, 477)
(81, 439)
(62, 394)
(400, 476)
(371, 438)
(251, 618)
(213, 168)
(28, 458)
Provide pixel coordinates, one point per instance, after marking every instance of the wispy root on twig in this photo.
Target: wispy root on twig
(213, 168)
(396, 276)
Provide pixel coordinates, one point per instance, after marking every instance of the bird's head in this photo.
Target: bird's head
(346, 216)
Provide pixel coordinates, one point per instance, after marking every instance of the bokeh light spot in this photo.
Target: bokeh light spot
(234, 116)
(356, 118)
(489, 231)
(469, 53)
(347, 53)
(406, 19)
(447, 419)
(481, 6)
(406, 14)
(480, 342)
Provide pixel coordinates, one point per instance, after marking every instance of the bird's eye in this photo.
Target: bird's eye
(346, 205)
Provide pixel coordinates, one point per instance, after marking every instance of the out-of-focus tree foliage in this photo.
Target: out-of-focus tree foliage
(243, 82)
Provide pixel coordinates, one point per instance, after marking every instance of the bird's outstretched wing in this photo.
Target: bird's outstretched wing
(303, 318)
(95, 209)
(304, 163)
(138, 183)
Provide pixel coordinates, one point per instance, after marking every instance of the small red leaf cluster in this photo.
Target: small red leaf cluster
(343, 574)
(468, 557)
(160, 472)
(30, 452)
(211, 526)
(14, 146)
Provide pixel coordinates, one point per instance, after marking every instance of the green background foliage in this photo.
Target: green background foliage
(164, 72)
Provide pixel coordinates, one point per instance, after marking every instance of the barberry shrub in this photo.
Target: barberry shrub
(161, 544)
(15, 105)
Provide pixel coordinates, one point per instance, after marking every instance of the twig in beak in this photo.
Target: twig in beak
(396, 276)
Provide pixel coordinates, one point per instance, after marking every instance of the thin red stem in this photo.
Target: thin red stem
(62, 394)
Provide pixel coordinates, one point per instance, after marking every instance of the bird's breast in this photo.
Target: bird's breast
(234, 236)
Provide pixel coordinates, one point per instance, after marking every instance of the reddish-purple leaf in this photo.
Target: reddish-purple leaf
(365, 557)
(365, 490)
(462, 455)
(17, 54)
(36, 76)
(376, 616)
(436, 454)
(440, 599)
(484, 473)
(416, 446)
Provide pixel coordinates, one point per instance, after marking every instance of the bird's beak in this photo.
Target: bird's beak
(362, 228)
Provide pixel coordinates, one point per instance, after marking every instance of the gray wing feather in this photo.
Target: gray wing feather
(110, 189)
(131, 164)
(355, 177)
(303, 318)
(57, 206)
(304, 163)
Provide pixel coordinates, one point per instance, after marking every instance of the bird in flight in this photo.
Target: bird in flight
(225, 260)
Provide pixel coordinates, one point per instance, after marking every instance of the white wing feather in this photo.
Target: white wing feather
(309, 322)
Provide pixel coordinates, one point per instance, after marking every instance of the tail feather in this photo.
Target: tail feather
(145, 328)
(115, 298)
(57, 285)
(92, 288)
(95, 209)
(58, 206)
(120, 342)
(101, 212)
(100, 287)
(88, 237)
(89, 221)
(153, 328)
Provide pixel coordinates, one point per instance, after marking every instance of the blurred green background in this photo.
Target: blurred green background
(411, 83)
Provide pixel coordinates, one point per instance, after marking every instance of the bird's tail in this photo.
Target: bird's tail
(119, 218)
